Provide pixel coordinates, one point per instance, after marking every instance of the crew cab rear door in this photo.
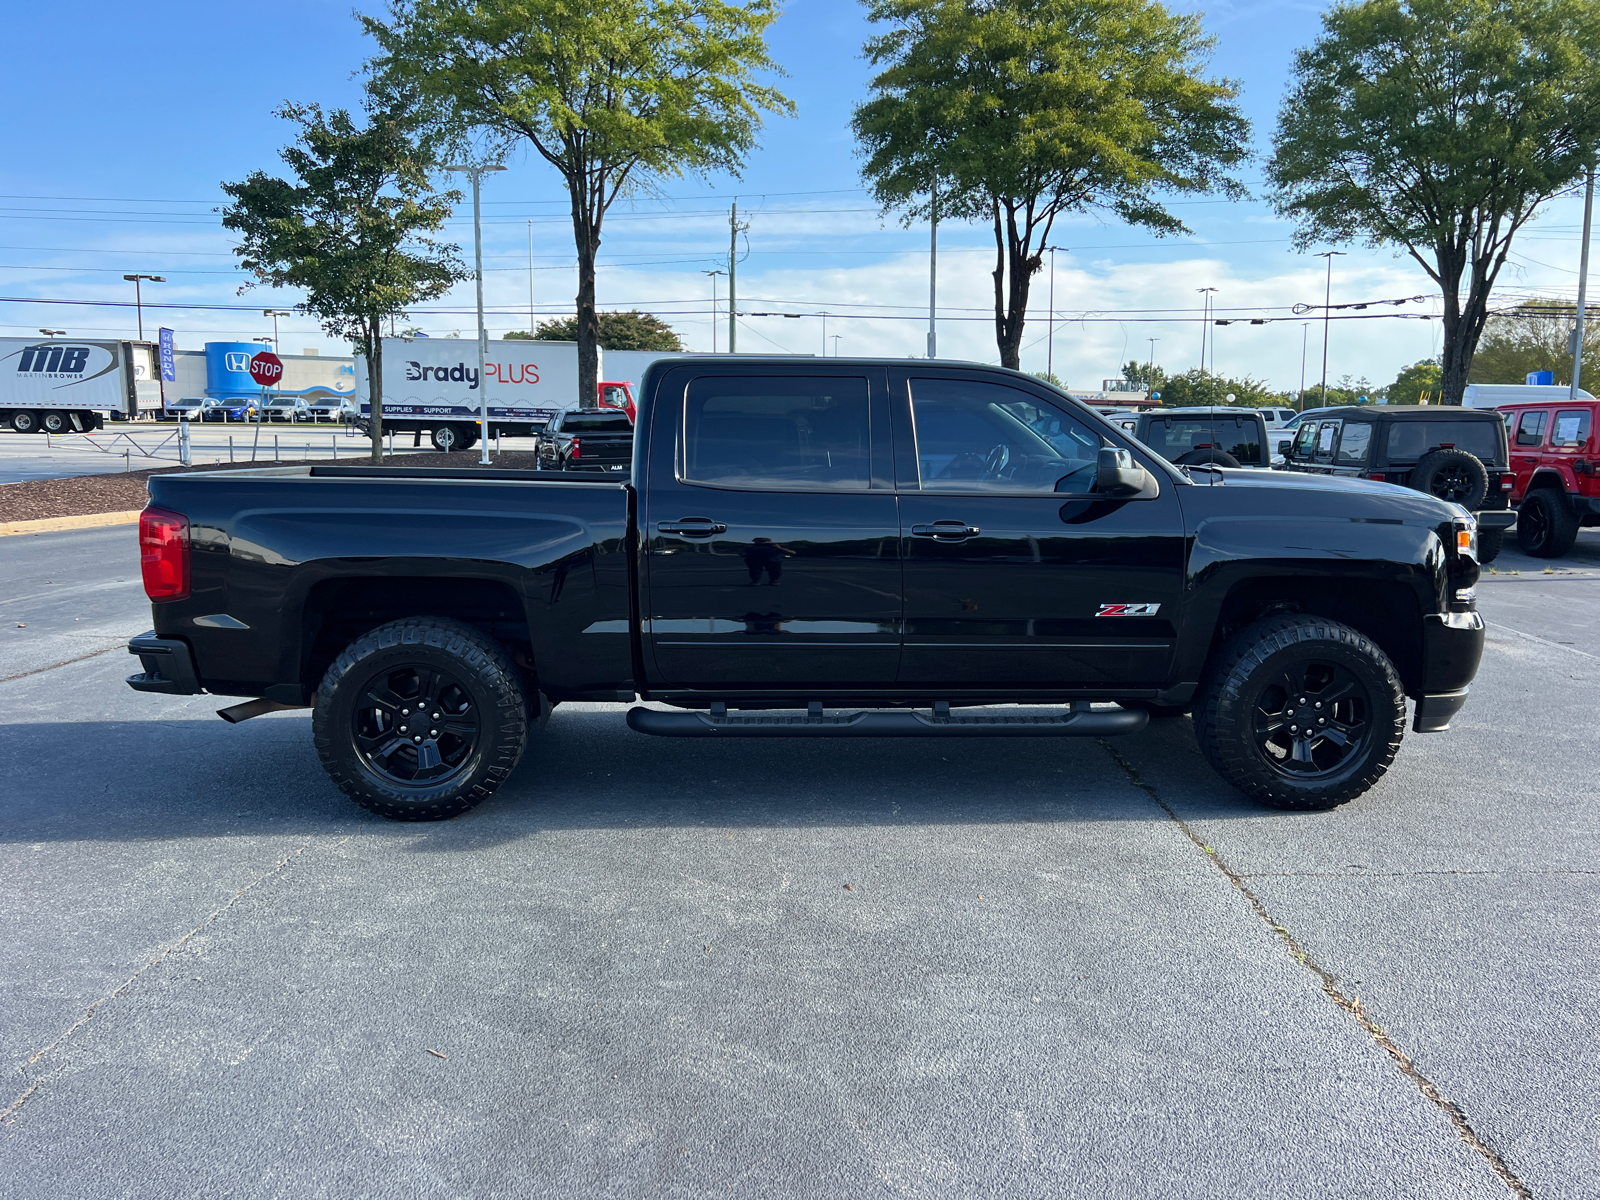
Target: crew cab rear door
(769, 528)
(1017, 576)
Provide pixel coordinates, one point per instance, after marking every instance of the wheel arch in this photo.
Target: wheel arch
(1550, 477)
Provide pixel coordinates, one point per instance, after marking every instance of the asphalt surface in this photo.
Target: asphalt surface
(907, 969)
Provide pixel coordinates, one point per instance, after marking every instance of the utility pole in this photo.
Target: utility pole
(713, 275)
(1583, 286)
(1305, 334)
(824, 334)
(138, 299)
(476, 174)
(734, 230)
(1205, 320)
(1327, 309)
(933, 270)
(1050, 343)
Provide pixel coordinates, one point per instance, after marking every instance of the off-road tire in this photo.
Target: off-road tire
(1546, 525)
(1490, 543)
(483, 670)
(1443, 473)
(1240, 673)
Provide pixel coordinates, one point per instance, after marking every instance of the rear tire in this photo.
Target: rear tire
(25, 422)
(473, 725)
(1300, 713)
(445, 438)
(1454, 476)
(1546, 525)
(1490, 543)
(1208, 458)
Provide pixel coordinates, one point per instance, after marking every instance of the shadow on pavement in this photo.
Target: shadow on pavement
(165, 779)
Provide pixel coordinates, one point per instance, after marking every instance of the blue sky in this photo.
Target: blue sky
(125, 119)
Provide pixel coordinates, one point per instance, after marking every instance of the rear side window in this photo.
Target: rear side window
(595, 423)
(1410, 440)
(1326, 436)
(780, 432)
(1354, 442)
(1240, 437)
(1571, 427)
(1530, 430)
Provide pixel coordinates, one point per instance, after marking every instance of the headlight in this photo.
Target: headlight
(1467, 537)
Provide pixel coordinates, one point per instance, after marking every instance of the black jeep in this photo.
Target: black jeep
(1456, 454)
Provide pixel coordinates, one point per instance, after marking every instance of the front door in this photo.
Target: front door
(1017, 576)
(771, 533)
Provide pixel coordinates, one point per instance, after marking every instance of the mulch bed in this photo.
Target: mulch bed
(82, 495)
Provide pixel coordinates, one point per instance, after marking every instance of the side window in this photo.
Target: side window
(1571, 427)
(782, 432)
(1530, 430)
(985, 437)
(1241, 438)
(1354, 441)
(1327, 434)
(1305, 439)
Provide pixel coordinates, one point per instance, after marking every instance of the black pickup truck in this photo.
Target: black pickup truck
(839, 548)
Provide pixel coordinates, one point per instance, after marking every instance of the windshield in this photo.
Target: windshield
(1174, 437)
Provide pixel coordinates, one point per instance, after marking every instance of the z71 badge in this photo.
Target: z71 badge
(1128, 610)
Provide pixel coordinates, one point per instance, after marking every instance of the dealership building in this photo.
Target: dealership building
(222, 372)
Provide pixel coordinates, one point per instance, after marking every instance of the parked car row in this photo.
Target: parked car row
(276, 408)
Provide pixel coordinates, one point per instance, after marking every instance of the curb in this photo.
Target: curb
(56, 524)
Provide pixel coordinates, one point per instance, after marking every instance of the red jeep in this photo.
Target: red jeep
(1554, 460)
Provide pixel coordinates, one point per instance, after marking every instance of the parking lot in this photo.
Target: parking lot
(900, 968)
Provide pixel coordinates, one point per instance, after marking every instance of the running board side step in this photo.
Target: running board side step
(1078, 721)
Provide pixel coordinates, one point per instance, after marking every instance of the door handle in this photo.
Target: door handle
(692, 527)
(946, 531)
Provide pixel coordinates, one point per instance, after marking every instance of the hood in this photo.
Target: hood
(1342, 492)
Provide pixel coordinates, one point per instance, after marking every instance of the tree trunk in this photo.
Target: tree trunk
(586, 237)
(1010, 295)
(1463, 323)
(374, 354)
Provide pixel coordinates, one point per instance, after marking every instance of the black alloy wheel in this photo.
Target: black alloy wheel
(1311, 719)
(415, 725)
(1452, 483)
(1300, 712)
(421, 719)
(1453, 476)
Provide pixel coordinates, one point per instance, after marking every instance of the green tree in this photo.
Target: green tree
(1149, 374)
(353, 232)
(1199, 386)
(1015, 112)
(613, 94)
(1415, 382)
(1438, 127)
(1534, 336)
(631, 330)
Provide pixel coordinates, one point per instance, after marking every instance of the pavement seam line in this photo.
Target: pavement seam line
(1532, 637)
(1330, 987)
(88, 1014)
(66, 663)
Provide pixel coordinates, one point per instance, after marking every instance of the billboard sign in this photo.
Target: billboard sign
(169, 357)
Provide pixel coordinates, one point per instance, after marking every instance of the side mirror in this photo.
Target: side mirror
(1117, 475)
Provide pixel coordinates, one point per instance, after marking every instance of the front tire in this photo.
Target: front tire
(1301, 713)
(421, 719)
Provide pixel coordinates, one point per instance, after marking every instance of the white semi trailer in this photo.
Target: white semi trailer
(66, 385)
(432, 386)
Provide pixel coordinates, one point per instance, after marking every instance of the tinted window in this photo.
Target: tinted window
(1305, 437)
(1410, 440)
(1353, 444)
(1571, 427)
(1176, 436)
(595, 423)
(1530, 431)
(778, 432)
(1327, 434)
(988, 437)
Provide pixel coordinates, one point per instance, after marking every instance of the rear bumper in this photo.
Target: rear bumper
(1500, 518)
(168, 666)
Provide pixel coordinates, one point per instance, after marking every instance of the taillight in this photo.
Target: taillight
(577, 448)
(164, 554)
(1379, 476)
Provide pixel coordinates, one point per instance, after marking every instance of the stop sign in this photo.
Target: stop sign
(266, 368)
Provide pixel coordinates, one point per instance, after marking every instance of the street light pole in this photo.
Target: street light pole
(1305, 334)
(476, 174)
(275, 313)
(933, 270)
(1583, 286)
(138, 298)
(1327, 308)
(1205, 321)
